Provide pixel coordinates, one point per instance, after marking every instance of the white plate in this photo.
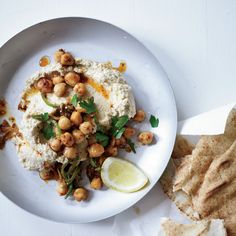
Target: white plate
(96, 40)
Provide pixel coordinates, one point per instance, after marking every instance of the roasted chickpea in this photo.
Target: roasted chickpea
(72, 78)
(80, 109)
(120, 142)
(55, 145)
(60, 89)
(78, 136)
(64, 123)
(45, 85)
(46, 174)
(70, 153)
(92, 139)
(140, 116)
(96, 183)
(58, 54)
(80, 194)
(67, 139)
(76, 118)
(129, 132)
(57, 79)
(86, 127)
(96, 150)
(80, 88)
(145, 137)
(62, 188)
(67, 59)
(112, 151)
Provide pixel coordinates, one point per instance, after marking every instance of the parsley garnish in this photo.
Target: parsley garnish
(88, 105)
(102, 139)
(48, 125)
(131, 144)
(154, 121)
(93, 163)
(74, 100)
(118, 124)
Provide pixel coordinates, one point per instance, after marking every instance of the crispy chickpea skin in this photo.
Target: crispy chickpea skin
(70, 153)
(86, 127)
(62, 188)
(67, 139)
(55, 145)
(60, 89)
(64, 123)
(57, 79)
(112, 151)
(67, 59)
(129, 132)
(96, 183)
(145, 137)
(80, 194)
(72, 78)
(58, 54)
(139, 116)
(76, 118)
(79, 137)
(80, 88)
(45, 85)
(96, 150)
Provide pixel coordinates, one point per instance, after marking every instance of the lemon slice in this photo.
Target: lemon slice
(122, 175)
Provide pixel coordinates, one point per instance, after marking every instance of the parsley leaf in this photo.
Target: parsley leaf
(88, 105)
(118, 133)
(70, 190)
(74, 100)
(131, 144)
(118, 124)
(93, 163)
(48, 131)
(41, 117)
(102, 139)
(154, 121)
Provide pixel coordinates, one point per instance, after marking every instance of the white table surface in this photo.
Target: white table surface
(194, 40)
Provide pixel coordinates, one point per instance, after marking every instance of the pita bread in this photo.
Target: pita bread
(200, 228)
(203, 185)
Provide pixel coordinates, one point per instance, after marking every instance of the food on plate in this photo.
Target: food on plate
(123, 176)
(198, 228)
(202, 182)
(78, 113)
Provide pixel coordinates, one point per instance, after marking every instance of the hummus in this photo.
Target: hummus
(112, 97)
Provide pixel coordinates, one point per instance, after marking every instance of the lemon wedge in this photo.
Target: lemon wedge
(122, 175)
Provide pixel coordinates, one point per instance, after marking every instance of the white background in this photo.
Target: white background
(195, 41)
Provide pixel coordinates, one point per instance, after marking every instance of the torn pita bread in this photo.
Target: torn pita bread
(203, 184)
(200, 228)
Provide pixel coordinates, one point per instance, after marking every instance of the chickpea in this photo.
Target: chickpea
(58, 54)
(86, 127)
(140, 116)
(60, 89)
(145, 137)
(57, 79)
(129, 132)
(80, 194)
(46, 174)
(45, 85)
(70, 153)
(113, 141)
(55, 145)
(67, 59)
(62, 188)
(80, 88)
(80, 109)
(96, 183)
(67, 139)
(72, 78)
(112, 151)
(120, 142)
(64, 123)
(76, 118)
(92, 139)
(96, 150)
(78, 136)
